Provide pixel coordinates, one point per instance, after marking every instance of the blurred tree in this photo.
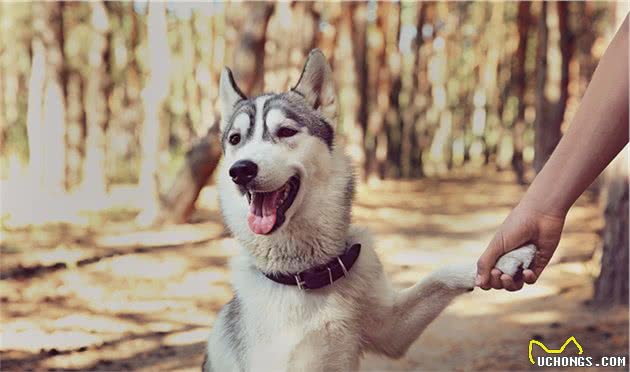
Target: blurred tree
(519, 81)
(16, 34)
(46, 104)
(611, 287)
(248, 60)
(154, 93)
(410, 99)
(349, 65)
(544, 131)
(439, 114)
(380, 86)
(485, 116)
(552, 88)
(422, 128)
(97, 87)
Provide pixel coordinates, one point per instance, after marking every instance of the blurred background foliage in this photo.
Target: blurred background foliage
(425, 88)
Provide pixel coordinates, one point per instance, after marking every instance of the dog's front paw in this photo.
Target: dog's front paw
(457, 277)
(518, 259)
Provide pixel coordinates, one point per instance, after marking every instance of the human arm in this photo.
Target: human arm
(598, 132)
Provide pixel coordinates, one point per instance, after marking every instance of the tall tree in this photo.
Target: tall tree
(248, 59)
(552, 90)
(519, 82)
(380, 86)
(96, 101)
(423, 87)
(153, 96)
(46, 104)
(611, 287)
(349, 67)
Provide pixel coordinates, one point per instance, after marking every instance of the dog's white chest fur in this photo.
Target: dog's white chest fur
(278, 318)
(290, 329)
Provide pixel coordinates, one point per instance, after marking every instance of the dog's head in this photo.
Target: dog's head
(278, 150)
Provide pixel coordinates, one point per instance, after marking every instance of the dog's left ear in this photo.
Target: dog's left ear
(317, 85)
(229, 95)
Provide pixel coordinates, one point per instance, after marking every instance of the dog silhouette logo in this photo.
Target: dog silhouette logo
(553, 351)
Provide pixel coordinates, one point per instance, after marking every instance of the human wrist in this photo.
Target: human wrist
(542, 207)
(550, 192)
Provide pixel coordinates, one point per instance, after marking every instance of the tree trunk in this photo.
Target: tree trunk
(76, 130)
(46, 112)
(566, 51)
(541, 125)
(204, 155)
(412, 106)
(379, 86)
(359, 41)
(520, 84)
(611, 287)
(96, 102)
(153, 96)
(349, 67)
(552, 100)
(248, 61)
(423, 91)
(489, 80)
(34, 118)
(201, 161)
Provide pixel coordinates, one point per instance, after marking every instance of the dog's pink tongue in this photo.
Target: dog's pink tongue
(262, 212)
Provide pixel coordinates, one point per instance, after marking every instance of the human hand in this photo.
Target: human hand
(525, 224)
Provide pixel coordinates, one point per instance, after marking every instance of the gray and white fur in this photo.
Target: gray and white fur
(273, 327)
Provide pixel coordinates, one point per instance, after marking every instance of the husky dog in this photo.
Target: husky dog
(309, 290)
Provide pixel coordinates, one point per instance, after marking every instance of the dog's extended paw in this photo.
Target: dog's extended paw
(457, 277)
(518, 259)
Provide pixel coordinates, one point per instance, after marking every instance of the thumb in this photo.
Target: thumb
(488, 259)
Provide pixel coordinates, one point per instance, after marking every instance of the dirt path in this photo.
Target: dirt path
(111, 298)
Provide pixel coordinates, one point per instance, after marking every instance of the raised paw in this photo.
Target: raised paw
(518, 259)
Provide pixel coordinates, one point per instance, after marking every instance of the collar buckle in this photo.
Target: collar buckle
(343, 267)
(300, 283)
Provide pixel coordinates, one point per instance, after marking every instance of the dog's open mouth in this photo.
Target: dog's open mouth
(267, 209)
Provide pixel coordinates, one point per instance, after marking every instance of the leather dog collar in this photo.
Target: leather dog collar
(323, 275)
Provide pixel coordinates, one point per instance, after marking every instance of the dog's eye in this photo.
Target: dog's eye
(235, 139)
(286, 132)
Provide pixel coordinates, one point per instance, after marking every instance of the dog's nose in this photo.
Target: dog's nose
(243, 171)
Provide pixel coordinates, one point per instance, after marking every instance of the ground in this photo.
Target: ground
(103, 295)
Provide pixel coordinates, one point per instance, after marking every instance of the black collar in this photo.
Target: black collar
(323, 275)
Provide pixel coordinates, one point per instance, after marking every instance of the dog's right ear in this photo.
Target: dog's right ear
(229, 95)
(317, 85)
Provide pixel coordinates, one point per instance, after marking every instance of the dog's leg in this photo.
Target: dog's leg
(400, 317)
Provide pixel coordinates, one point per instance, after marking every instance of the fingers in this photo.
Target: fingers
(499, 280)
(486, 263)
(529, 276)
(511, 284)
(539, 263)
(495, 279)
